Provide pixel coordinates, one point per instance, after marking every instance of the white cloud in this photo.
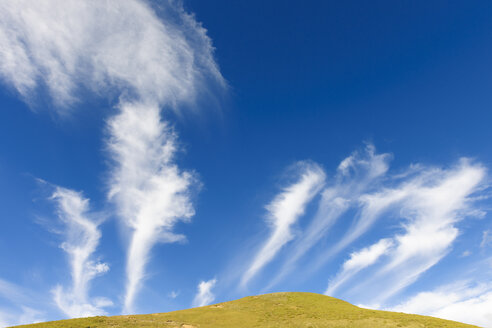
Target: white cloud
(433, 206)
(103, 46)
(3, 320)
(29, 315)
(356, 174)
(284, 211)
(204, 295)
(425, 204)
(358, 261)
(12, 292)
(25, 316)
(18, 297)
(486, 239)
(465, 301)
(429, 205)
(150, 191)
(173, 294)
(81, 237)
(367, 256)
(120, 49)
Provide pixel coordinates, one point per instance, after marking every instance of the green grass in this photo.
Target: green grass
(271, 310)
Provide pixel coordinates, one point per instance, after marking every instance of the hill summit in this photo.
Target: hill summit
(305, 310)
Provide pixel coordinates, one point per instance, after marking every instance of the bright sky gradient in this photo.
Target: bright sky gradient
(158, 155)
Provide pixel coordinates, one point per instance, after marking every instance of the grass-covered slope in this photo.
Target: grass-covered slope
(271, 310)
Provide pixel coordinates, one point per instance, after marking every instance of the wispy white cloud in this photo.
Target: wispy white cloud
(284, 211)
(4, 322)
(30, 315)
(19, 313)
(146, 59)
(429, 204)
(11, 291)
(464, 301)
(117, 47)
(81, 238)
(25, 316)
(173, 294)
(425, 204)
(359, 173)
(486, 239)
(150, 191)
(358, 261)
(204, 294)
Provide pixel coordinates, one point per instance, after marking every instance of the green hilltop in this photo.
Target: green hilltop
(270, 310)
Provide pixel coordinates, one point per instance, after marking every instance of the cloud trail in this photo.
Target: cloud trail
(26, 316)
(429, 204)
(486, 238)
(204, 295)
(426, 204)
(356, 174)
(121, 48)
(81, 238)
(148, 60)
(284, 211)
(359, 261)
(149, 190)
(12, 291)
(19, 297)
(464, 301)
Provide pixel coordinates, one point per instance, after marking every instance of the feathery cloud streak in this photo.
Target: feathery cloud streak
(19, 297)
(356, 174)
(125, 50)
(284, 211)
(27, 315)
(116, 47)
(358, 261)
(486, 239)
(464, 301)
(149, 190)
(429, 205)
(204, 295)
(425, 204)
(81, 236)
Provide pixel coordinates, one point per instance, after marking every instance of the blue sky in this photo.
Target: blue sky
(162, 155)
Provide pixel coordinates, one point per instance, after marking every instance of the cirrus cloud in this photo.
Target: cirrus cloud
(81, 238)
(146, 58)
(204, 294)
(284, 211)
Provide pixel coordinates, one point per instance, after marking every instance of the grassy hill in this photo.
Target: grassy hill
(271, 310)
